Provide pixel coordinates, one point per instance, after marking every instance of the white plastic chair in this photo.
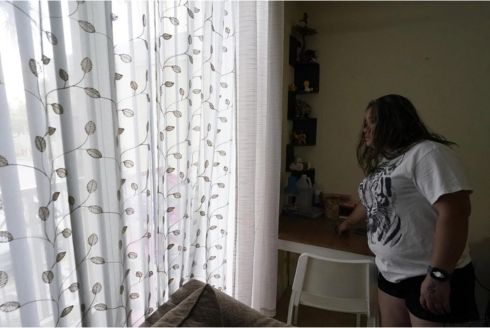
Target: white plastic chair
(335, 284)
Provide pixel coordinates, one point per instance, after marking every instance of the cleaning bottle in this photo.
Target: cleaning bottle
(304, 200)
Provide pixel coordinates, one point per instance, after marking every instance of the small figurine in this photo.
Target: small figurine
(306, 84)
(299, 138)
(292, 87)
(303, 110)
(297, 165)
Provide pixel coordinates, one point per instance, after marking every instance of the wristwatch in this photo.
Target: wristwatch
(438, 274)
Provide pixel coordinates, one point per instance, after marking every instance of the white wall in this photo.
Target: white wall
(435, 53)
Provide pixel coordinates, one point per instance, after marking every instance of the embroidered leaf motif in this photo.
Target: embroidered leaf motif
(95, 209)
(166, 36)
(97, 260)
(86, 65)
(118, 76)
(93, 239)
(55, 196)
(3, 161)
(126, 58)
(86, 26)
(95, 153)
(91, 186)
(51, 38)
(57, 108)
(9, 306)
(62, 172)
(176, 69)
(191, 14)
(60, 256)
(129, 211)
(100, 307)
(47, 276)
(66, 232)
(91, 92)
(132, 255)
(66, 311)
(43, 213)
(168, 84)
(63, 74)
(128, 112)
(45, 60)
(4, 278)
(134, 296)
(143, 18)
(133, 85)
(33, 67)
(74, 287)
(40, 143)
(128, 163)
(90, 127)
(174, 20)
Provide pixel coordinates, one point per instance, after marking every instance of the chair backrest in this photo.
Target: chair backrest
(336, 284)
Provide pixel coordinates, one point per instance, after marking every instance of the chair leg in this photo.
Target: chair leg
(290, 313)
(295, 315)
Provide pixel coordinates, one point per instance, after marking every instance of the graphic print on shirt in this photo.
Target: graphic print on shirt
(383, 222)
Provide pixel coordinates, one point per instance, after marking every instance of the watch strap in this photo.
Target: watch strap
(438, 273)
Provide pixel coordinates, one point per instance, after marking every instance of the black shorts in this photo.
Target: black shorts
(462, 296)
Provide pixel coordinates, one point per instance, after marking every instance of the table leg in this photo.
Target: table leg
(288, 264)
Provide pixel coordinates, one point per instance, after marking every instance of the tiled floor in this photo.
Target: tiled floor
(311, 317)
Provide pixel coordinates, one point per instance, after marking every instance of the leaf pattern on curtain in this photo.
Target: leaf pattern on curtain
(117, 157)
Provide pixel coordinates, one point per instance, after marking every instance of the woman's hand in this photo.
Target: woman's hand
(343, 228)
(434, 296)
(357, 215)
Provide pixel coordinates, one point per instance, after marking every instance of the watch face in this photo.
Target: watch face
(438, 274)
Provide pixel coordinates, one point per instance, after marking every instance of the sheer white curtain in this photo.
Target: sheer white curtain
(260, 53)
(117, 157)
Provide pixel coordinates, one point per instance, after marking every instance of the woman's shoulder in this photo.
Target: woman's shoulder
(425, 147)
(430, 148)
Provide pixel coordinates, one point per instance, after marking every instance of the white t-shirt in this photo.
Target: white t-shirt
(398, 198)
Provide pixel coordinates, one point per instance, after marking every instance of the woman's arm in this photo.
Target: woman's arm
(357, 215)
(453, 211)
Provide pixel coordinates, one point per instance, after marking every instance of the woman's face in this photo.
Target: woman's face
(368, 127)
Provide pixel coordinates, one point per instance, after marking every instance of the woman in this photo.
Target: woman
(415, 197)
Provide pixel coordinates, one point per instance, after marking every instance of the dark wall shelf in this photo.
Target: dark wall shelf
(306, 81)
(304, 132)
(307, 72)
